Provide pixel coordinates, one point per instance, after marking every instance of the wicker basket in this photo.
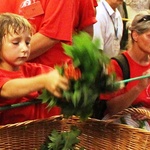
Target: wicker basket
(96, 134)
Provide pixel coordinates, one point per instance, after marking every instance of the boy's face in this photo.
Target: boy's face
(15, 50)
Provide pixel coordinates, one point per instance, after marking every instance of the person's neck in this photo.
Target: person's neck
(112, 5)
(139, 57)
(7, 67)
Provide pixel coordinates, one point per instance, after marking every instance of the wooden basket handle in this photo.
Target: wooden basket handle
(131, 111)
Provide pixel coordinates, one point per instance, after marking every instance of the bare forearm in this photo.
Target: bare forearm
(51, 81)
(122, 101)
(125, 100)
(89, 30)
(40, 44)
(20, 87)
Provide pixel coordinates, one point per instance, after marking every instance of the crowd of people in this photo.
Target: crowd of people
(31, 37)
(54, 22)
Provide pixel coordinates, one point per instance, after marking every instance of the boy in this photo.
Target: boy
(21, 81)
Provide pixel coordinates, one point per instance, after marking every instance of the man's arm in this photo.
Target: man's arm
(40, 44)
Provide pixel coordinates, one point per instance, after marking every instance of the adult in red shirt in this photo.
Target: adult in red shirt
(55, 22)
(135, 93)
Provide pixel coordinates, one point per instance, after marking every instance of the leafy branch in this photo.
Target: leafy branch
(89, 76)
(62, 141)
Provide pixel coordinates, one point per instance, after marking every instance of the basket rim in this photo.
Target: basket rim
(90, 121)
(52, 118)
(105, 123)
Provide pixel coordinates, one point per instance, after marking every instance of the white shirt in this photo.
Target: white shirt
(108, 21)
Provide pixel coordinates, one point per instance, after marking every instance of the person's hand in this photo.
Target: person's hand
(143, 83)
(55, 83)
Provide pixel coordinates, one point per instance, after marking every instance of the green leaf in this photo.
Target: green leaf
(94, 80)
(45, 96)
(62, 140)
(76, 98)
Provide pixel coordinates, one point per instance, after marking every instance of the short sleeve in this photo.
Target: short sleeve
(58, 21)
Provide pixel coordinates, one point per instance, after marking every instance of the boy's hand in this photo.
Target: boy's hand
(55, 83)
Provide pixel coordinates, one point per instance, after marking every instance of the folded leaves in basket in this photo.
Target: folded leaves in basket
(62, 141)
(89, 75)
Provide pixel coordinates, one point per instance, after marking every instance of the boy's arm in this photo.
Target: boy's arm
(52, 81)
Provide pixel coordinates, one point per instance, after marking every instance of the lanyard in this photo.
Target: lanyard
(115, 28)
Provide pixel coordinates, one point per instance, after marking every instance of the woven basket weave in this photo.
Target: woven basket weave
(96, 134)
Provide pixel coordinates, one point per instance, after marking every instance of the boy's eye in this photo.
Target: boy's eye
(15, 43)
(28, 42)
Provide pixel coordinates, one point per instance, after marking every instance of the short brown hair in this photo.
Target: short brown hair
(12, 22)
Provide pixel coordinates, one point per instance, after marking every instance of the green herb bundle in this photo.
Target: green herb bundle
(88, 77)
(62, 141)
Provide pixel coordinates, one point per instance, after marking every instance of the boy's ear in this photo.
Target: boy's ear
(135, 35)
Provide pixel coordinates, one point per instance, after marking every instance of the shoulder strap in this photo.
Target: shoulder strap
(124, 65)
(100, 105)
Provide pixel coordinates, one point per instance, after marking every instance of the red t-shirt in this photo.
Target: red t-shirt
(27, 112)
(95, 3)
(4, 7)
(61, 18)
(135, 71)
